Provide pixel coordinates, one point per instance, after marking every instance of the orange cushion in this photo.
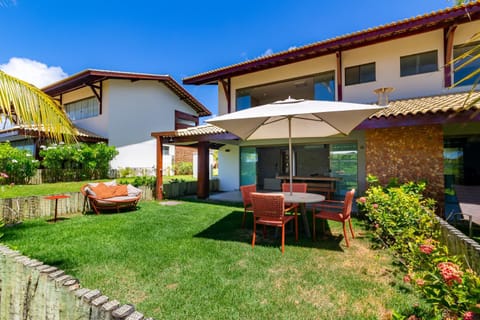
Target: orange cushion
(104, 192)
(120, 190)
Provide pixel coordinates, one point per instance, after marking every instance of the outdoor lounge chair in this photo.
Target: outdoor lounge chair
(110, 196)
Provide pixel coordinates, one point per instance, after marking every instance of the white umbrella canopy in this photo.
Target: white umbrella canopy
(293, 118)
(308, 118)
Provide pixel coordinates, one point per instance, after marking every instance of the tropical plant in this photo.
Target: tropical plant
(88, 161)
(17, 166)
(466, 59)
(183, 168)
(25, 104)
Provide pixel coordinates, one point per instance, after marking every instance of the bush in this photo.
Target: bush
(405, 222)
(148, 181)
(183, 168)
(19, 165)
(77, 161)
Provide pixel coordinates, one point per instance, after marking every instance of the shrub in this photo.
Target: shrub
(126, 172)
(183, 168)
(78, 161)
(404, 221)
(148, 181)
(18, 165)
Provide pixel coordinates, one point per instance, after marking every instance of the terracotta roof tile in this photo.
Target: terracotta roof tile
(206, 129)
(421, 23)
(414, 106)
(434, 104)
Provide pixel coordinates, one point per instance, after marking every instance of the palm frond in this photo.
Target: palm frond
(32, 107)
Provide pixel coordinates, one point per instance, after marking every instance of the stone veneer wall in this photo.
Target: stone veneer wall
(409, 154)
(30, 289)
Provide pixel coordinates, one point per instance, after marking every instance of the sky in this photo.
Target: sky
(45, 41)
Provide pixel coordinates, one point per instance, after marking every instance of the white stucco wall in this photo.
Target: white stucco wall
(229, 168)
(98, 124)
(131, 111)
(136, 110)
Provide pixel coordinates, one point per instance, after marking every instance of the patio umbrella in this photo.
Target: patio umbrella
(293, 118)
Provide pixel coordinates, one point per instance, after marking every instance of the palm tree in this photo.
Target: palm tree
(465, 59)
(25, 104)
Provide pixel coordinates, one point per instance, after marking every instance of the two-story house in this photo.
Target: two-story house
(124, 108)
(425, 133)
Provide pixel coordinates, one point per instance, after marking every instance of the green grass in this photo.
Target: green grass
(193, 260)
(7, 191)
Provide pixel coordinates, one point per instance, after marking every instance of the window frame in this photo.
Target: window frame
(359, 79)
(79, 109)
(475, 65)
(418, 63)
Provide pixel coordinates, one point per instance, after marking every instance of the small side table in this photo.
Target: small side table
(56, 197)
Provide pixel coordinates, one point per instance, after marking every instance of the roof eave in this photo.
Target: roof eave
(388, 32)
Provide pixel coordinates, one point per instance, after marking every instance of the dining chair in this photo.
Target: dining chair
(296, 187)
(335, 210)
(247, 200)
(269, 210)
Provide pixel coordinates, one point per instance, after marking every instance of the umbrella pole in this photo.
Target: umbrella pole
(290, 155)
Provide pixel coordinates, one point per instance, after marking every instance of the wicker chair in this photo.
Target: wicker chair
(337, 211)
(247, 200)
(296, 187)
(269, 210)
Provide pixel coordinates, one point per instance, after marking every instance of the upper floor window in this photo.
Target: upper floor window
(469, 51)
(83, 109)
(419, 63)
(360, 74)
(315, 87)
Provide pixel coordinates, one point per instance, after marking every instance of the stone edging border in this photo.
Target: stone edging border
(90, 303)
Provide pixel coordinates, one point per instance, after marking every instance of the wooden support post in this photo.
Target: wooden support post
(338, 56)
(226, 90)
(159, 186)
(203, 189)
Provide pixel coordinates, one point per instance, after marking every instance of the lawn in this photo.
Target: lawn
(192, 260)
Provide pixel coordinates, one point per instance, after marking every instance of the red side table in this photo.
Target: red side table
(56, 197)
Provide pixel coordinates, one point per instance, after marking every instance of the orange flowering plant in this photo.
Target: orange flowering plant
(403, 220)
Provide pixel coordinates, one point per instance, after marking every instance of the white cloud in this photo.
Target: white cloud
(34, 72)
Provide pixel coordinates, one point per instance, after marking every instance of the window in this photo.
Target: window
(324, 86)
(419, 63)
(320, 86)
(360, 74)
(243, 101)
(468, 69)
(83, 109)
(165, 150)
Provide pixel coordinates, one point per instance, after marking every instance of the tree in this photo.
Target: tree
(25, 104)
(467, 58)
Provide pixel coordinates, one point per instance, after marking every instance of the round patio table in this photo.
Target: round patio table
(56, 197)
(302, 198)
